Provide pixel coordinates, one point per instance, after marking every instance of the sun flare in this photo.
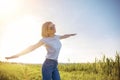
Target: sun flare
(20, 34)
(8, 7)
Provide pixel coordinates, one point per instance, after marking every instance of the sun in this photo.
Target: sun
(9, 10)
(9, 6)
(18, 33)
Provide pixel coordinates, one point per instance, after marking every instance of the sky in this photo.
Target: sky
(96, 22)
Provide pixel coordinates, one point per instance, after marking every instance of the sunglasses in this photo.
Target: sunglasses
(51, 27)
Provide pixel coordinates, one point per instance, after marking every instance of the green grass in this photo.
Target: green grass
(105, 69)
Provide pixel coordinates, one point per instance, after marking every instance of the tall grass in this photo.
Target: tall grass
(104, 69)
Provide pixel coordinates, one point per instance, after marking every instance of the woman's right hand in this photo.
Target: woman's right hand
(11, 57)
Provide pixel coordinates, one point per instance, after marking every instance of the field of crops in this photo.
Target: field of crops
(104, 69)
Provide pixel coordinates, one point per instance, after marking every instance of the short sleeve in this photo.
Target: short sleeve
(58, 36)
(43, 40)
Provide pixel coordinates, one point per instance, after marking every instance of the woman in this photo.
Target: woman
(53, 45)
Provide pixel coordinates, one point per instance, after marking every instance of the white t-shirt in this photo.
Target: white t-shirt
(53, 46)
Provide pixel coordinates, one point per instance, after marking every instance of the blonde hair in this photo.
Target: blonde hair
(45, 29)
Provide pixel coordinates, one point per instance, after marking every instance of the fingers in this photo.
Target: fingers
(11, 57)
(73, 34)
(7, 58)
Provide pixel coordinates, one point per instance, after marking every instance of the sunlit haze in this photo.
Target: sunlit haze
(96, 22)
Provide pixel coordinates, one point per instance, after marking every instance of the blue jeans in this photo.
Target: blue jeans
(50, 70)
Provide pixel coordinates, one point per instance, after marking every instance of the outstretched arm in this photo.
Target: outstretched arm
(66, 36)
(27, 50)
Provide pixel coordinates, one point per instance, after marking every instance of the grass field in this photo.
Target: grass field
(104, 69)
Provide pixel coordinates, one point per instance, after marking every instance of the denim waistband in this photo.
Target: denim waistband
(51, 60)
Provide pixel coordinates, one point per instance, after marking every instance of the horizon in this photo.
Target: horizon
(68, 62)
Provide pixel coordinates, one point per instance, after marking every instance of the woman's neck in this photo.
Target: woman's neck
(51, 35)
